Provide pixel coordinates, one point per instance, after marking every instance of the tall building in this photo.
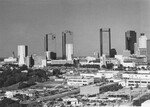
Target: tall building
(142, 41)
(130, 39)
(50, 44)
(63, 45)
(22, 53)
(143, 44)
(67, 45)
(103, 37)
(69, 52)
(148, 51)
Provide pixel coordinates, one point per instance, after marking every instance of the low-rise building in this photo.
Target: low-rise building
(89, 90)
(80, 81)
(140, 82)
(135, 76)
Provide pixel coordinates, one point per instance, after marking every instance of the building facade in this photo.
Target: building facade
(22, 53)
(148, 51)
(130, 39)
(80, 81)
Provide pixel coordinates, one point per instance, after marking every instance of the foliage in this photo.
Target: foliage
(13, 74)
(109, 66)
(90, 66)
(148, 86)
(6, 102)
(137, 86)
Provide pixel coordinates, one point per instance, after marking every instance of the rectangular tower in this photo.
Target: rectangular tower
(130, 39)
(148, 51)
(22, 53)
(63, 45)
(67, 40)
(102, 43)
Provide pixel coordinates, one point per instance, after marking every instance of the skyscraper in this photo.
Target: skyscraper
(63, 45)
(107, 48)
(67, 45)
(22, 53)
(142, 41)
(50, 45)
(130, 39)
(143, 44)
(148, 51)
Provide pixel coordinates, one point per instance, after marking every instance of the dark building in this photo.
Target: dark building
(50, 38)
(53, 55)
(148, 51)
(101, 40)
(130, 39)
(63, 45)
(46, 43)
(113, 52)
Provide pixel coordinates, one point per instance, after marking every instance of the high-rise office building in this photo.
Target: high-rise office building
(50, 45)
(142, 41)
(105, 44)
(69, 52)
(63, 45)
(130, 39)
(67, 45)
(22, 53)
(143, 44)
(148, 51)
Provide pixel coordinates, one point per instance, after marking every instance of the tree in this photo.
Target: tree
(109, 65)
(131, 88)
(103, 66)
(113, 52)
(137, 86)
(148, 86)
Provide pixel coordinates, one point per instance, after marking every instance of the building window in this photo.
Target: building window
(131, 81)
(130, 84)
(144, 82)
(111, 81)
(137, 81)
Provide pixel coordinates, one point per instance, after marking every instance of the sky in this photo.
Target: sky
(25, 22)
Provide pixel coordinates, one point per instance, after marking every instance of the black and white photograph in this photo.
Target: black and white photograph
(74, 53)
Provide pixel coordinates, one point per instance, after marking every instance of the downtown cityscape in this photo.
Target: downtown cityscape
(54, 71)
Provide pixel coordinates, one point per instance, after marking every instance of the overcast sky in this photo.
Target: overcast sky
(27, 21)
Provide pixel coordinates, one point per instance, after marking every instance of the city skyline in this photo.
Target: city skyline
(25, 22)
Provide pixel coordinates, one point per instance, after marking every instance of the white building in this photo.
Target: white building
(141, 82)
(133, 79)
(136, 76)
(100, 74)
(125, 61)
(22, 53)
(69, 51)
(39, 61)
(143, 41)
(80, 81)
(73, 101)
(10, 59)
(10, 94)
(48, 55)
